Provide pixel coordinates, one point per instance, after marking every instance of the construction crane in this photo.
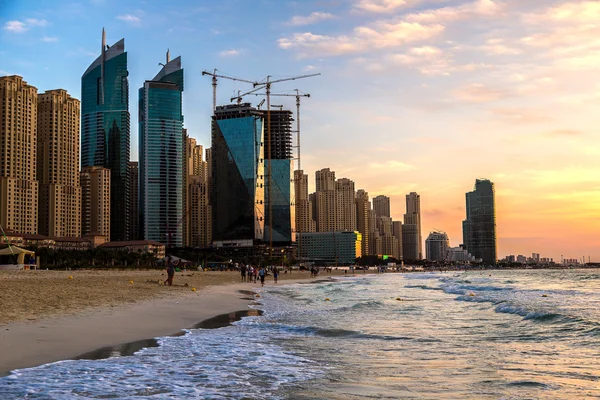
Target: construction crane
(239, 97)
(267, 84)
(214, 83)
(297, 96)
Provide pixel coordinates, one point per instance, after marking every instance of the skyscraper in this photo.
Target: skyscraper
(95, 201)
(58, 164)
(346, 209)
(304, 213)
(479, 229)
(105, 127)
(198, 232)
(362, 218)
(134, 211)
(18, 137)
(280, 164)
(236, 161)
(325, 201)
(161, 147)
(381, 205)
(413, 217)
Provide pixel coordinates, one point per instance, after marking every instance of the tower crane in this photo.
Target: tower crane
(214, 83)
(239, 97)
(267, 84)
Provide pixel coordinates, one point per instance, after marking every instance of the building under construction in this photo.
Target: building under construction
(279, 159)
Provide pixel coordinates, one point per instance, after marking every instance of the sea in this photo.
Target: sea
(528, 334)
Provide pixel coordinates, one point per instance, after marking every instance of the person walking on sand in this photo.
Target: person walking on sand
(262, 274)
(170, 272)
(275, 274)
(243, 272)
(256, 271)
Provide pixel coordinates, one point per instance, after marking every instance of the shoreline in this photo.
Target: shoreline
(101, 332)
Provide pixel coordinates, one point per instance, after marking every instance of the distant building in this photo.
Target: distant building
(330, 247)
(459, 254)
(134, 211)
(397, 232)
(198, 215)
(95, 201)
(346, 209)
(381, 205)
(59, 213)
(162, 147)
(410, 242)
(436, 246)
(362, 218)
(479, 229)
(137, 246)
(413, 217)
(105, 127)
(303, 214)
(18, 138)
(237, 197)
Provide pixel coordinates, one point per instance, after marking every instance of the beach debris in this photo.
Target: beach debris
(131, 282)
(398, 298)
(193, 289)
(70, 277)
(257, 295)
(186, 284)
(471, 294)
(544, 295)
(327, 299)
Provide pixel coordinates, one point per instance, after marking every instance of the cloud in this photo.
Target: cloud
(49, 39)
(15, 26)
(381, 34)
(478, 8)
(520, 115)
(479, 93)
(392, 165)
(230, 53)
(384, 6)
(311, 19)
(131, 19)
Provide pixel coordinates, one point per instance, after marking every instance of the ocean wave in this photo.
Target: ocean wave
(422, 287)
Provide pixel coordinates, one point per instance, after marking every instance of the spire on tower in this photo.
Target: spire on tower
(103, 40)
(168, 56)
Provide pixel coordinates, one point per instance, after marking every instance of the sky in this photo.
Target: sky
(414, 95)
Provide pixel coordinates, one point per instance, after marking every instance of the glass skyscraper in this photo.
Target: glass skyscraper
(162, 149)
(281, 181)
(105, 128)
(237, 196)
(479, 229)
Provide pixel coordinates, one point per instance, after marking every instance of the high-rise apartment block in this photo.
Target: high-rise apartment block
(105, 127)
(134, 211)
(59, 212)
(95, 201)
(410, 242)
(413, 217)
(362, 218)
(161, 139)
(198, 216)
(346, 209)
(436, 246)
(397, 232)
(381, 205)
(18, 141)
(479, 229)
(304, 211)
(237, 194)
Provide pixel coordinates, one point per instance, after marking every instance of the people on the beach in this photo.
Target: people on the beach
(256, 270)
(170, 272)
(275, 274)
(262, 274)
(243, 272)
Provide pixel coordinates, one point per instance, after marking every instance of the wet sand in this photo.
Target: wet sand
(47, 316)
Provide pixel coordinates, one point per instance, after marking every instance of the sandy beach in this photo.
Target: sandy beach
(50, 316)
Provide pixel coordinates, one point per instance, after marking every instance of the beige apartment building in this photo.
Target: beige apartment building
(346, 210)
(59, 212)
(198, 216)
(413, 217)
(362, 218)
(18, 137)
(95, 201)
(304, 217)
(381, 205)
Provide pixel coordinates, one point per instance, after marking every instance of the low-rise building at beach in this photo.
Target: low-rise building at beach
(330, 247)
(144, 246)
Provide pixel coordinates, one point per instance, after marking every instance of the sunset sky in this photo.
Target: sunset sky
(415, 95)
